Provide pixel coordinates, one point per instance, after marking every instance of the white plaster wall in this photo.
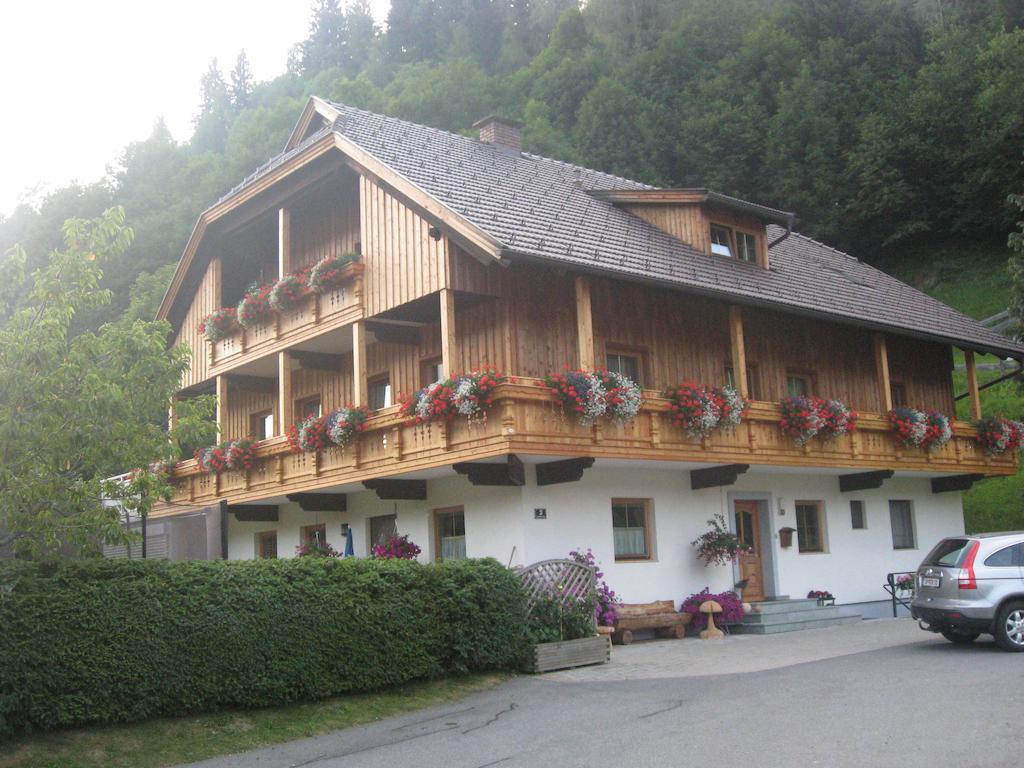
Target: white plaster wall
(856, 561)
(500, 523)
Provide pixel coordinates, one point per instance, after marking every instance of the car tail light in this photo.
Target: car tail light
(967, 580)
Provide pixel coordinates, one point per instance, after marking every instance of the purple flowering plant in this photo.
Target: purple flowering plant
(605, 612)
(396, 548)
(732, 607)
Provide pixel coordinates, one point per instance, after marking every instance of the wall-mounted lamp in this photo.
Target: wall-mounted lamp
(782, 508)
(344, 529)
(435, 233)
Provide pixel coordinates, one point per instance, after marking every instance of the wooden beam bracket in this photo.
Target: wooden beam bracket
(255, 513)
(320, 502)
(863, 481)
(399, 490)
(509, 473)
(564, 471)
(714, 477)
(955, 483)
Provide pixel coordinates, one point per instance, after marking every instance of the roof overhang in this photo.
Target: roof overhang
(694, 196)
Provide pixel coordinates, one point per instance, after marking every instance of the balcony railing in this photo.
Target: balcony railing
(525, 419)
(316, 314)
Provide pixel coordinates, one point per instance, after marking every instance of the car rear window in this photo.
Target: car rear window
(948, 553)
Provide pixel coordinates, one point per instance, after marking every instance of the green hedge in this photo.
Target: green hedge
(120, 640)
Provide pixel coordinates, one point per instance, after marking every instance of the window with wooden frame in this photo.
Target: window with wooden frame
(379, 391)
(899, 394)
(721, 240)
(313, 535)
(626, 361)
(450, 534)
(307, 407)
(383, 528)
(746, 246)
(431, 370)
(266, 545)
(799, 383)
(810, 526)
(901, 518)
(632, 524)
(261, 425)
(753, 387)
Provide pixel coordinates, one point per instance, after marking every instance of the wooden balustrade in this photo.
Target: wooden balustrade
(314, 315)
(526, 420)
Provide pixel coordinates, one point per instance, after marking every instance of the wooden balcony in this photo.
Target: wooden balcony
(317, 314)
(525, 420)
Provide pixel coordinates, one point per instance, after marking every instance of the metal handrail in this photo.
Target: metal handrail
(894, 592)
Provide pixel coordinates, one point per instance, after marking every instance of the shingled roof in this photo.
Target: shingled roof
(545, 210)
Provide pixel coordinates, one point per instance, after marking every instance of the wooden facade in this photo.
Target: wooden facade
(418, 299)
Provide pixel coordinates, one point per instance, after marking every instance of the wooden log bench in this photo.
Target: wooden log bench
(661, 616)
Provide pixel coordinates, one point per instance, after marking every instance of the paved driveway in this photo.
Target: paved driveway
(881, 693)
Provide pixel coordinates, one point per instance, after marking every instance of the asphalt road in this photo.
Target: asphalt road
(922, 702)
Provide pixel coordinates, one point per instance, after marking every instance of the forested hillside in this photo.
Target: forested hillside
(887, 125)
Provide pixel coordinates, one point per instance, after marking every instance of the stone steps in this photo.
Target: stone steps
(775, 616)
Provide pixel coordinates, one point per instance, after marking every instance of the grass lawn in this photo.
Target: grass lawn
(171, 741)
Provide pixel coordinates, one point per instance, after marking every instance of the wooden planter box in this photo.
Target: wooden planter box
(566, 654)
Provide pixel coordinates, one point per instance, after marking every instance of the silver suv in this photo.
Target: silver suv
(969, 585)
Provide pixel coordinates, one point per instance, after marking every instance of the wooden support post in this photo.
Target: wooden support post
(359, 389)
(739, 352)
(284, 391)
(584, 324)
(448, 331)
(972, 384)
(882, 372)
(222, 405)
(284, 242)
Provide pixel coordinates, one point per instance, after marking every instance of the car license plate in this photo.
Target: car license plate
(929, 581)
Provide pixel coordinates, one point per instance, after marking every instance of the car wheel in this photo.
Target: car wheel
(960, 638)
(1010, 627)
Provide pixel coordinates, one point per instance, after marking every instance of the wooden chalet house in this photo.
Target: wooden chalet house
(472, 253)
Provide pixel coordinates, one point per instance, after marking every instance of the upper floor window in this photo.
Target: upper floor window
(625, 362)
(379, 390)
(308, 407)
(799, 383)
(746, 247)
(721, 240)
(899, 394)
(261, 425)
(431, 370)
(753, 388)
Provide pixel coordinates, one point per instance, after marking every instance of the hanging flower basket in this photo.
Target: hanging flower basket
(309, 435)
(219, 324)
(718, 545)
(472, 392)
(396, 548)
(589, 395)
(326, 274)
(255, 306)
(999, 436)
(702, 410)
(432, 403)
(343, 424)
(287, 293)
(916, 429)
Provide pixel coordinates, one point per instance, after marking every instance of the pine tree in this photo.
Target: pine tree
(241, 83)
(211, 124)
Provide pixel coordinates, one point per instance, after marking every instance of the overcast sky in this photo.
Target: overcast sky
(81, 78)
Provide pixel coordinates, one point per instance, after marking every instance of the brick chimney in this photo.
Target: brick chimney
(501, 131)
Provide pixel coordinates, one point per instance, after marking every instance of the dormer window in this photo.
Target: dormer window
(721, 240)
(746, 247)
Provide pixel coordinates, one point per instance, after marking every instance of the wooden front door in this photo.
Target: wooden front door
(748, 530)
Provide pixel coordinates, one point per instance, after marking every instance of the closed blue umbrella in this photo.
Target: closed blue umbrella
(350, 550)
